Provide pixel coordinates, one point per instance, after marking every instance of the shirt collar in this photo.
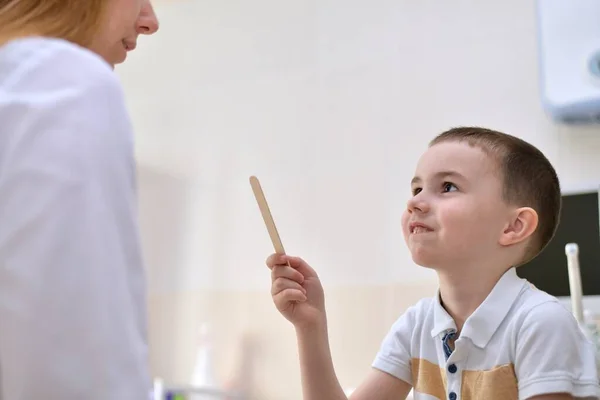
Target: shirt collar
(486, 319)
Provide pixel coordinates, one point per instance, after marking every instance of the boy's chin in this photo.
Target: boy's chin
(425, 259)
(425, 264)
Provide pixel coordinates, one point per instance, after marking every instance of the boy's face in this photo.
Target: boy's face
(456, 214)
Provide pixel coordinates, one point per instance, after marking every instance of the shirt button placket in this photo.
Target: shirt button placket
(452, 368)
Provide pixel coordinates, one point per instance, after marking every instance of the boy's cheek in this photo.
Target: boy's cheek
(404, 222)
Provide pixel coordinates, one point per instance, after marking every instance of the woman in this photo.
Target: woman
(72, 306)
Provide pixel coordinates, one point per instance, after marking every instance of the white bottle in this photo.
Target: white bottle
(203, 374)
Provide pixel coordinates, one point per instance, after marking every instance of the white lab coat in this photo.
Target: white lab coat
(72, 305)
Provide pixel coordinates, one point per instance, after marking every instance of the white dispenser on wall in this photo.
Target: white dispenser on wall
(569, 59)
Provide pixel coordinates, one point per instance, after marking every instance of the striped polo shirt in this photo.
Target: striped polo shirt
(520, 342)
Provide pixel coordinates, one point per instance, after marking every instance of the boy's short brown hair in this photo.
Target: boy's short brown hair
(529, 179)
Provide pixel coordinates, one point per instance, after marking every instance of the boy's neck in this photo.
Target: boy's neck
(462, 291)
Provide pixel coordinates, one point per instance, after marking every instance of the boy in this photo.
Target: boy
(483, 202)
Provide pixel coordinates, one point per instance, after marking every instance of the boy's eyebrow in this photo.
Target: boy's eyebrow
(440, 175)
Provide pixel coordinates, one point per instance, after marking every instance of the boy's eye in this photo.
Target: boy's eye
(449, 187)
(416, 191)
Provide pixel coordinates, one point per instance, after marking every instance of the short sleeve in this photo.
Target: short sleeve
(554, 356)
(72, 306)
(394, 353)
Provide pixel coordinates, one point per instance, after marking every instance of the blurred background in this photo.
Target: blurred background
(330, 103)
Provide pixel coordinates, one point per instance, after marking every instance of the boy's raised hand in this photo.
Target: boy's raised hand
(296, 290)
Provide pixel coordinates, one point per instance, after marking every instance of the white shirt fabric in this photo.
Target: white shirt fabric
(519, 343)
(72, 295)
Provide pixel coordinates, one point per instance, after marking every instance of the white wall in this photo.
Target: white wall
(330, 103)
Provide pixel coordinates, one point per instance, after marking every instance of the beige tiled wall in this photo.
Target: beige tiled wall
(359, 317)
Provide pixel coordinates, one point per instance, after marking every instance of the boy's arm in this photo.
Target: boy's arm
(319, 381)
(553, 357)
(299, 297)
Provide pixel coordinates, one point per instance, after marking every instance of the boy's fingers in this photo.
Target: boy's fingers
(276, 259)
(283, 271)
(284, 299)
(282, 284)
(301, 265)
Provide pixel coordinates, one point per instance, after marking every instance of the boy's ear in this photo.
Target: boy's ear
(522, 225)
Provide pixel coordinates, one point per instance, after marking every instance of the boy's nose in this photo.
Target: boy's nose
(417, 204)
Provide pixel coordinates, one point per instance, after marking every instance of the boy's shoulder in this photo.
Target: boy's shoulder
(543, 307)
(550, 353)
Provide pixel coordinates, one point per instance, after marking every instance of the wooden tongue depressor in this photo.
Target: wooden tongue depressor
(266, 214)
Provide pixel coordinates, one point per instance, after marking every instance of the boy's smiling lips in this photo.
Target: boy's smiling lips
(418, 227)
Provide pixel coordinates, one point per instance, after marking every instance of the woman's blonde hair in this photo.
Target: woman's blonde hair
(74, 20)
